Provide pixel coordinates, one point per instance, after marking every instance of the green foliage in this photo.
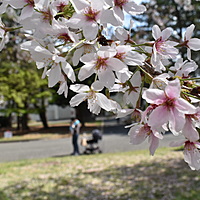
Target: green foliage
(22, 86)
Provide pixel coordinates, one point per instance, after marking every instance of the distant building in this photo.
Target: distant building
(54, 112)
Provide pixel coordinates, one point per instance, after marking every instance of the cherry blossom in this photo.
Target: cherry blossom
(103, 63)
(27, 5)
(118, 6)
(191, 152)
(183, 69)
(139, 133)
(191, 43)
(60, 5)
(50, 58)
(59, 30)
(88, 19)
(63, 87)
(3, 35)
(126, 54)
(95, 100)
(170, 108)
(43, 19)
(132, 93)
(84, 48)
(162, 47)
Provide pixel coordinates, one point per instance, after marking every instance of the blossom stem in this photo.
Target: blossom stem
(9, 29)
(189, 79)
(149, 75)
(76, 45)
(138, 105)
(95, 79)
(191, 95)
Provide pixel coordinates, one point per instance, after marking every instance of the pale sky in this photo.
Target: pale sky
(138, 1)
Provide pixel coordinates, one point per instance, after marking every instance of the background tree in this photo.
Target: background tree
(22, 88)
(177, 14)
(24, 92)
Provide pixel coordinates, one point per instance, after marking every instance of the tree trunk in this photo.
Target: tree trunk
(18, 122)
(24, 121)
(43, 118)
(10, 120)
(42, 113)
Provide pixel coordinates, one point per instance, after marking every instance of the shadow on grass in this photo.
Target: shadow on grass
(159, 180)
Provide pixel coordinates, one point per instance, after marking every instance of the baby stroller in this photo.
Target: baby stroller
(91, 145)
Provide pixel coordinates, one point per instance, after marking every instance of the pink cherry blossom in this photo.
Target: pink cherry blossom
(191, 152)
(138, 134)
(162, 47)
(189, 129)
(88, 18)
(126, 54)
(113, 64)
(170, 108)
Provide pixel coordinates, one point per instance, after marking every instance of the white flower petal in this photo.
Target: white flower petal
(103, 102)
(97, 86)
(117, 65)
(156, 32)
(85, 71)
(107, 77)
(194, 44)
(77, 99)
(76, 56)
(79, 88)
(54, 75)
(189, 32)
(90, 31)
(66, 67)
(166, 33)
(173, 89)
(189, 131)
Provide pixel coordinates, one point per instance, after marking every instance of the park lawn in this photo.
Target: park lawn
(33, 136)
(125, 176)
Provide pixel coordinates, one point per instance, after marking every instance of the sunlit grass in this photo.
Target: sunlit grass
(34, 136)
(125, 176)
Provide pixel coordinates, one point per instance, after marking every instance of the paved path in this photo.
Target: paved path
(114, 140)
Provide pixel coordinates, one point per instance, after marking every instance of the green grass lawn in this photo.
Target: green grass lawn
(124, 176)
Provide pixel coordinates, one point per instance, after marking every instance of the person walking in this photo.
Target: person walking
(75, 131)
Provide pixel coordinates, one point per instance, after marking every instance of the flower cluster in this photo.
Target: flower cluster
(69, 40)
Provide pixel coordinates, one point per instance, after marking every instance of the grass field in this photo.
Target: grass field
(124, 176)
(33, 136)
